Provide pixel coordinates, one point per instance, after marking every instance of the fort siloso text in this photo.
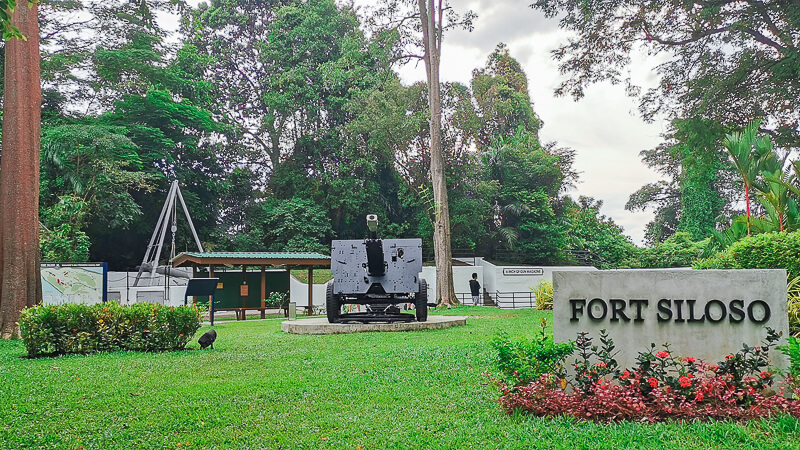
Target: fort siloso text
(670, 310)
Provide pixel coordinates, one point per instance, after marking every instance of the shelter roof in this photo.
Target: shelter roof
(251, 259)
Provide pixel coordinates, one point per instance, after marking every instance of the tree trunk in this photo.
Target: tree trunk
(747, 202)
(432, 35)
(20, 277)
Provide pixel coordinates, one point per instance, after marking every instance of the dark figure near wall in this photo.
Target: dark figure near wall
(475, 289)
(207, 339)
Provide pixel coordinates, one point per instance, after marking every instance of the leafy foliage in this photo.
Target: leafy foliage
(729, 62)
(544, 294)
(98, 165)
(793, 307)
(526, 360)
(792, 350)
(60, 237)
(761, 251)
(78, 328)
(679, 250)
(700, 186)
(501, 92)
(266, 109)
(286, 225)
(597, 234)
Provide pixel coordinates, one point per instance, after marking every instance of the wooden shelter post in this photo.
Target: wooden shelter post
(211, 299)
(310, 289)
(263, 290)
(194, 275)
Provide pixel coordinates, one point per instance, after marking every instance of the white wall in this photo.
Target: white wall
(461, 277)
(298, 292)
(155, 294)
(497, 281)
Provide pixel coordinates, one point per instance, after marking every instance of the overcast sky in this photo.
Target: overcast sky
(604, 127)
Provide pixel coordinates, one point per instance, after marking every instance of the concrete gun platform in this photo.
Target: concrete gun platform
(322, 326)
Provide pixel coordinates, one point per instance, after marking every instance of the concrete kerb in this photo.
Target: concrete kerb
(322, 326)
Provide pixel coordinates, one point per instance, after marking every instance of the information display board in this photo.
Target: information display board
(74, 283)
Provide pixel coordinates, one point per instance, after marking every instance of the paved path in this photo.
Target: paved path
(322, 326)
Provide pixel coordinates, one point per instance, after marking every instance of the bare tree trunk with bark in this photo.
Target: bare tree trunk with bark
(20, 277)
(432, 38)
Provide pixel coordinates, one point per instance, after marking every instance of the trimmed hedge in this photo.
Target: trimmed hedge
(760, 251)
(77, 328)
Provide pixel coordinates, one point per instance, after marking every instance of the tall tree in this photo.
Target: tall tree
(700, 186)
(20, 282)
(501, 93)
(431, 17)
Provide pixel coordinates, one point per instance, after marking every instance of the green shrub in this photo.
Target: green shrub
(722, 260)
(679, 250)
(793, 307)
(77, 328)
(792, 350)
(760, 251)
(544, 294)
(524, 361)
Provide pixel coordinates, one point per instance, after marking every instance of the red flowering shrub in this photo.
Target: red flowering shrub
(662, 387)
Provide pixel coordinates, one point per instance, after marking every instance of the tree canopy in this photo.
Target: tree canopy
(727, 61)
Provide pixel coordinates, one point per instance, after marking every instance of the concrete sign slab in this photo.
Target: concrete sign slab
(705, 314)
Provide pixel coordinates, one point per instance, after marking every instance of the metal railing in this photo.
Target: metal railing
(502, 300)
(466, 299)
(514, 300)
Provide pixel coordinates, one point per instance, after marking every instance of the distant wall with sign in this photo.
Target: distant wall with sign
(520, 278)
(74, 283)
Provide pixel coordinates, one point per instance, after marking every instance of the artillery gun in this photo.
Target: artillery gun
(380, 274)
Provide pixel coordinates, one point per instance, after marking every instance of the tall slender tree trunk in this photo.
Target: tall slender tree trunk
(432, 36)
(20, 282)
(747, 203)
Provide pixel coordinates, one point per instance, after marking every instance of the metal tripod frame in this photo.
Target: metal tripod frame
(168, 212)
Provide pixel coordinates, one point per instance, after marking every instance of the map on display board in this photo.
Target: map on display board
(74, 283)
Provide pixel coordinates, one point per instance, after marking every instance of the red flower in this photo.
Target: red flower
(764, 375)
(600, 364)
(713, 367)
(690, 360)
(653, 382)
(662, 354)
(729, 357)
(684, 382)
(624, 375)
(698, 396)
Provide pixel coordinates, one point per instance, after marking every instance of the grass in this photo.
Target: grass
(261, 388)
(321, 276)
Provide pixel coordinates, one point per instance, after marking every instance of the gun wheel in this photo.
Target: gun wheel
(332, 306)
(421, 301)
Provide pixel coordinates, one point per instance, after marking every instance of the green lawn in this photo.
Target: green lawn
(261, 388)
(321, 276)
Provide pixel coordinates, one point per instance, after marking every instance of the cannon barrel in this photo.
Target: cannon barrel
(376, 266)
